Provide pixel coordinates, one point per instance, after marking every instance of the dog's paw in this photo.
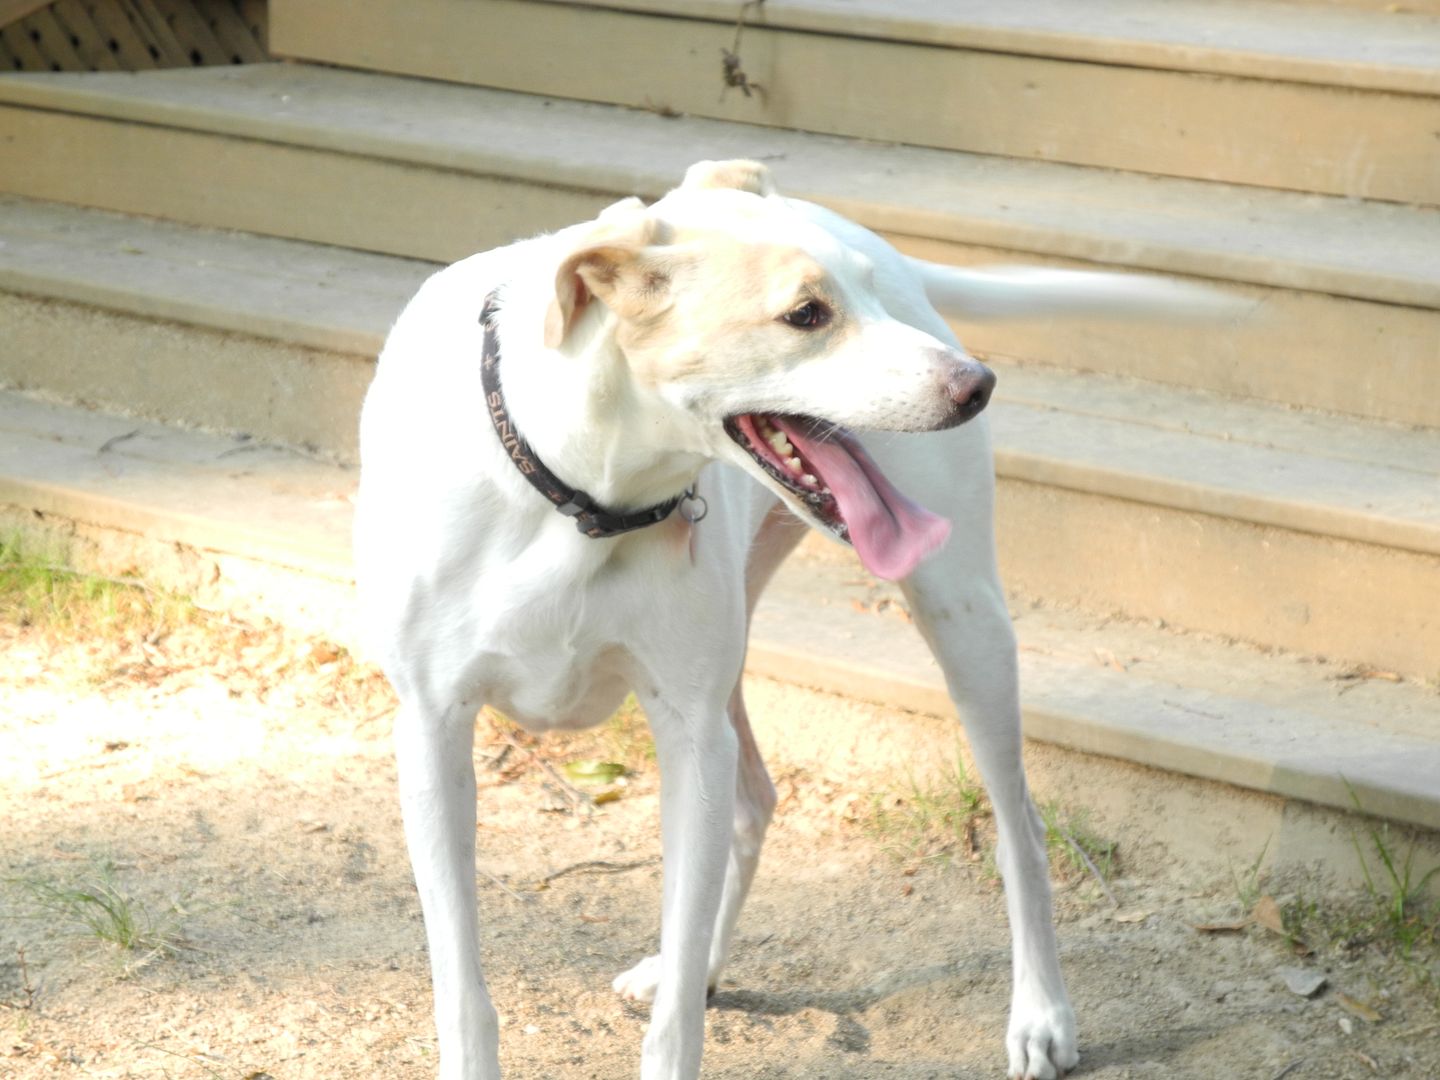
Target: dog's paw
(639, 983)
(1041, 1042)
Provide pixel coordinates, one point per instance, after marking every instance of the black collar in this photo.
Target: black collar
(592, 520)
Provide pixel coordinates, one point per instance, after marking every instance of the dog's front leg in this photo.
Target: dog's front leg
(437, 799)
(697, 754)
(964, 620)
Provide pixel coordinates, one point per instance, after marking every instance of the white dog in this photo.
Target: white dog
(681, 381)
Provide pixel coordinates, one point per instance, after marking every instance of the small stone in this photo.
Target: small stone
(1302, 981)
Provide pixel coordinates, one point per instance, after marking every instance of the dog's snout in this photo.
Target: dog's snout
(968, 385)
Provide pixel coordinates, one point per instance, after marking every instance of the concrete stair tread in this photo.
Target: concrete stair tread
(1188, 449)
(1172, 446)
(1325, 244)
(1275, 131)
(1391, 50)
(215, 492)
(1275, 723)
(323, 297)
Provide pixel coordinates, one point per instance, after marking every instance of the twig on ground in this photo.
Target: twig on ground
(576, 797)
(596, 866)
(76, 766)
(1089, 865)
(572, 794)
(497, 881)
(1288, 1069)
(26, 986)
(379, 714)
(70, 571)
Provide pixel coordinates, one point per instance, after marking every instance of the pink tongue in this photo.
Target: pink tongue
(891, 534)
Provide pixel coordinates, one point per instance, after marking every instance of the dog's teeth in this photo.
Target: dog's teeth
(809, 479)
(780, 444)
(793, 464)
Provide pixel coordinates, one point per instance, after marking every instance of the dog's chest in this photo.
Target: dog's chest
(557, 688)
(559, 655)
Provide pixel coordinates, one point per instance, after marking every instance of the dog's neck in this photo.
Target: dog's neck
(583, 415)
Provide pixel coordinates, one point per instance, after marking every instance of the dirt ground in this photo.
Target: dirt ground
(235, 786)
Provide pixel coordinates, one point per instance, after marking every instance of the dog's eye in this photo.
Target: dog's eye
(808, 316)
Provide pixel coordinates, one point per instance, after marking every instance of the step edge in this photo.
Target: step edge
(1050, 722)
(140, 303)
(1330, 522)
(120, 514)
(1235, 60)
(1289, 272)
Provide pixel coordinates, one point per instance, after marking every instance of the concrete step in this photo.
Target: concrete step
(1349, 292)
(1304, 531)
(240, 523)
(1342, 102)
(240, 333)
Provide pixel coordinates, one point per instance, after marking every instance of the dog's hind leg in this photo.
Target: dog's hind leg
(779, 533)
(958, 604)
(437, 800)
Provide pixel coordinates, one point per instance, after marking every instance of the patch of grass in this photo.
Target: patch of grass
(1405, 914)
(97, 908)
(933, 820)
(1074, 847)
(1247, 886)
(38, 590)
(1395, 915)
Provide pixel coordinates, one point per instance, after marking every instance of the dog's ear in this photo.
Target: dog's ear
(738, 175)
(613, 261)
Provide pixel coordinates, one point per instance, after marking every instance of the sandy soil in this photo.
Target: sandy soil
(238, 785)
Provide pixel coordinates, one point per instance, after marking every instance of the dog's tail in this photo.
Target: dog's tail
(1025, 292)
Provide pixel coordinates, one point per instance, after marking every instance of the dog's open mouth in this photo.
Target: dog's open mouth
(825, 469)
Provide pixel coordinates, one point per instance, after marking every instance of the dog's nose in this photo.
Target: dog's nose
(969, 385)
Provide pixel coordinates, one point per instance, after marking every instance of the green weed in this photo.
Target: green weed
(37, 589)
(1405, 915)
(1247, 888)
(1075, 848)
(933, 820)
(98, 908)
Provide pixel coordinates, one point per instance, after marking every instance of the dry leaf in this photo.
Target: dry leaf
(323, 652)
(1222, 927)
(1357, 1008)
(1267, 914)
(1109, 659)
(594, 772)
(1367, 1060)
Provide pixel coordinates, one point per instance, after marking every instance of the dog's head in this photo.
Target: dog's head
(772, 336)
